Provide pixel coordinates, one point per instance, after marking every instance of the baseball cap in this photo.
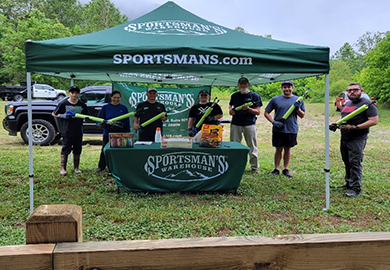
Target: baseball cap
(151, 89)
(288, 82)
(74, 89)
(243, 80)
(203, 92)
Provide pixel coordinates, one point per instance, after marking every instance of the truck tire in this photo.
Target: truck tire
(59, 97)
(42, 130)
(18, 97)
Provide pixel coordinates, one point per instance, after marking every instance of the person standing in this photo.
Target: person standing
(109, 111)
(354, 134)
(71, 128)
(147, 110)
(244, 120)
(198, 110)
(284, 132)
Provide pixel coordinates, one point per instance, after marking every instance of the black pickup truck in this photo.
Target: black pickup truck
(45, 127)
(12, 92)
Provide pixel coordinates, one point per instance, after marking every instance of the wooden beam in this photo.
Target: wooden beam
(317, 251)
(54, 223)
(26, 257)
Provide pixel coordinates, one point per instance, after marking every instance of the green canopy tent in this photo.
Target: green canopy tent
(170, 45)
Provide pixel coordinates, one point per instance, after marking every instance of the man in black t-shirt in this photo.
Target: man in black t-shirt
(71, 128)
(198, 110)
(244, 120)
(147, 110)
(354, 134)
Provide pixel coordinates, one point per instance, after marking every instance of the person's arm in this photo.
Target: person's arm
(165, 117)
(191, 121)
(56, 113)
(231, 111)
(255, 111)
(135, 123)
(372, 121)
(300, 113)
(268, 116)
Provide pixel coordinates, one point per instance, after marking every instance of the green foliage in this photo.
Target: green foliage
(101, 14)
(340, 76)
(42, 20)
(66, 12)
(376, 76)
(36, 27)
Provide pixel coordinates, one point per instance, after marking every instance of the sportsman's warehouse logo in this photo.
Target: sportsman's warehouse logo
(174, 102)
(186, 166)
(174, 27)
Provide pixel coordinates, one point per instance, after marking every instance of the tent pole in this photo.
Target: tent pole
(327, 170)
(30, 144)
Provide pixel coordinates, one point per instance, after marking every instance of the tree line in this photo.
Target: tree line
(366, 61)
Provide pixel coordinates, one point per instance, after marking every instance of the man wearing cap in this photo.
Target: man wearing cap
(244, 120)
(147, 110)
(354, 135)
(198, 110)
(284, 132)
(71, 128)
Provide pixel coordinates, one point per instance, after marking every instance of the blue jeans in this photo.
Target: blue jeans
(352, 155)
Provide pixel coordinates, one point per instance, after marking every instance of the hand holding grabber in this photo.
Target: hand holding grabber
(296, 105)
(155, 118)
(357, 111)
(246, 104)
(192, 132)
(93, 118)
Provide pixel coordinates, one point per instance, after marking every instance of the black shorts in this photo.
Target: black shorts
(280, 139)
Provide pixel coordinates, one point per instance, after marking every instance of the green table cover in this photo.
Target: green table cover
(155, 169)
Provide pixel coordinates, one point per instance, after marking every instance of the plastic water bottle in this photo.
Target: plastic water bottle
(157, 136)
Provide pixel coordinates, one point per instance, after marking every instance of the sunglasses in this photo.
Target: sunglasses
(353, 90)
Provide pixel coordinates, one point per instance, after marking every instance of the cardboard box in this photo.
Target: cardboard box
(121, 140)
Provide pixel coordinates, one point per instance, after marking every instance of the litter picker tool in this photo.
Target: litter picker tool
(246, 104)
(357, 111)
(206, 113)
(158, 116)
(121, 117)
(292, 108)
(93, 118)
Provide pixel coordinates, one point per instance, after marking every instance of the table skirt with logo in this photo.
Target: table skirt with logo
(155, 169)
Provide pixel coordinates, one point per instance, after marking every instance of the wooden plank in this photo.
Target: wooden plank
(26, 257)
(317, 251)
(54, 223)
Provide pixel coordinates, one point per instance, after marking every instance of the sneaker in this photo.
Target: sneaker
(352, 193)
(286, 173)
(255, 170)
(275, 172)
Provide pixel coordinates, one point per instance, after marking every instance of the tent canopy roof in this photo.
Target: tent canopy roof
(172, 45)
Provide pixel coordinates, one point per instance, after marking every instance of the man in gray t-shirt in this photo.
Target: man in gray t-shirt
(284, 131)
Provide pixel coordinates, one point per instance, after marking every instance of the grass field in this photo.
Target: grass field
(264, 205)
